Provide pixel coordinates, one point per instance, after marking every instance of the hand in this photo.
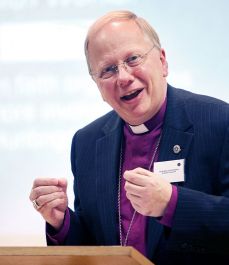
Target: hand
(148, 192)
(50, 198)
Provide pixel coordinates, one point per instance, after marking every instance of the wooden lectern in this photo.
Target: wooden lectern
(58, 255)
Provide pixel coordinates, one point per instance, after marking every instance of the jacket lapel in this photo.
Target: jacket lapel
(107, 165)
(177, 130)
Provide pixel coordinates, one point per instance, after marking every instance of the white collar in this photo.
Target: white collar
(138, 129)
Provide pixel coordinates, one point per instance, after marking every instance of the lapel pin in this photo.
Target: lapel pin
(176, 149)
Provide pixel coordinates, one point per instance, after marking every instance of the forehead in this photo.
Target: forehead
(116, 37)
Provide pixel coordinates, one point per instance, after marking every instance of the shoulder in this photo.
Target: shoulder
(197, 105)
(98, 127)
(194, 97)
(206, 116)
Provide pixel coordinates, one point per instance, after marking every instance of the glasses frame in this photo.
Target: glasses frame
(115, 67)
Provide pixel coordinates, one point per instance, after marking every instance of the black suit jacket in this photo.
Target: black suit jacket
(200, 229)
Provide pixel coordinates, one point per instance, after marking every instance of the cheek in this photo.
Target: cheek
(146, 72)
(154, 69)
(102, 93)
(107, 94)
(102, 89)
(140, 73)
(107, 91)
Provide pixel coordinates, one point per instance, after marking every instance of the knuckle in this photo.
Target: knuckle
(132, 179)
(36, 182)
(126, 185)
(31, 196)
(37, 192)
(62, 195)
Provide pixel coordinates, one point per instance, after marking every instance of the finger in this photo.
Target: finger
(35, 204)
(45, 182)
(134, 189)
(43, 190)
(140, 209)
(135, 205)
(132, 197)
(44, 199)
(142, 171)
(138, 205)
(57, 203)
(136, 178)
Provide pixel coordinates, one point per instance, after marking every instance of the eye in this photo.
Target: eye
(133, 60)
(108, 71)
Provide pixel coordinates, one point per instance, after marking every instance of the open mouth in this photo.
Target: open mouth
(132, 95)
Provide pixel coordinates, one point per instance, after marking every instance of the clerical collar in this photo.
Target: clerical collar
(151, 123)
(138, 129)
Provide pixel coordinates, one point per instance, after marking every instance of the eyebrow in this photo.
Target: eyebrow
(105, 64)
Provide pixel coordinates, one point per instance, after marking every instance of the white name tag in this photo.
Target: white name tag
(172, 171)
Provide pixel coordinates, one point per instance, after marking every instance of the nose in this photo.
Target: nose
(124, 75)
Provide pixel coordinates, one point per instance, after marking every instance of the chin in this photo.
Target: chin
(136, 121)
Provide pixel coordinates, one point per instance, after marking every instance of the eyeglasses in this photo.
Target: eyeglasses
(132, 61)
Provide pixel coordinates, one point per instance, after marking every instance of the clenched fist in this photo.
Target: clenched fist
(49, 196)
(148, 193)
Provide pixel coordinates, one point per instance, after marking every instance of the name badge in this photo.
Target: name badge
(172, 171)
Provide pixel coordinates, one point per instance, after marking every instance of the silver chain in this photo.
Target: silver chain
(119, 195)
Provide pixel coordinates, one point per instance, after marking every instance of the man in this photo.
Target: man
(174, 212)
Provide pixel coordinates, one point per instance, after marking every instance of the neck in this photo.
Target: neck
(151, 123)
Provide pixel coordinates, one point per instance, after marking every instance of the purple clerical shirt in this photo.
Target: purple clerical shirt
(138, 151)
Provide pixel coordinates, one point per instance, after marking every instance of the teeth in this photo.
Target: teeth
(131, 92)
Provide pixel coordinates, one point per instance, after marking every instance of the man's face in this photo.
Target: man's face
(135, 93)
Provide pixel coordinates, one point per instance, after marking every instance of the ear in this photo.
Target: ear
(164, 63)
